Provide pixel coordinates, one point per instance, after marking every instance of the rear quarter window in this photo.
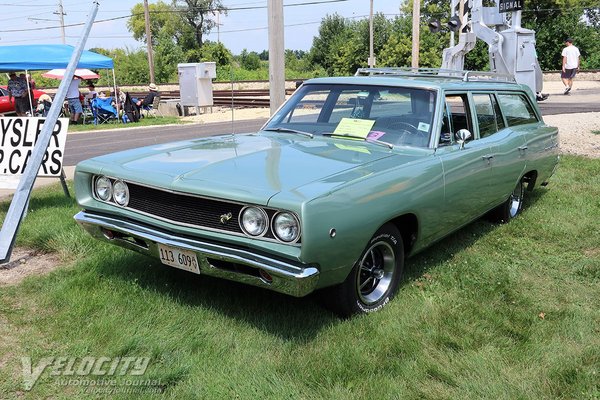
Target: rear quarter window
(516, 109)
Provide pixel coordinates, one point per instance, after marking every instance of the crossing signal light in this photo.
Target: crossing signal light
(434, 26)
(454, 23)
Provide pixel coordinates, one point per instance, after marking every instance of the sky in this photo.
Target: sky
(245, 26)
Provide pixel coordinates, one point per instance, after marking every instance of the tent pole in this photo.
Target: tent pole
(29, 93)
(117, 97)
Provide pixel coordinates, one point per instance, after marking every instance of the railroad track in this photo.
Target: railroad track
(239, 98)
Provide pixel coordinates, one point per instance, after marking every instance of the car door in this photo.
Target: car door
(467, 170)
(540, 148)
(507, 158)
(5, 105)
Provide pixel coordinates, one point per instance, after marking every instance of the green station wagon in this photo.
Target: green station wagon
(347, 179)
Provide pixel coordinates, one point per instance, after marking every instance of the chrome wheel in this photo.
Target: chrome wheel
(375, 272)
(515, 201)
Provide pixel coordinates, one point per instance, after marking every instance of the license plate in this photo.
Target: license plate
(178, 258)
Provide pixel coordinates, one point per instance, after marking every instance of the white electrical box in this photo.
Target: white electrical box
(195, 83)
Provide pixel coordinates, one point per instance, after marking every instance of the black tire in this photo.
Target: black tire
(374, 279)
(512, 207)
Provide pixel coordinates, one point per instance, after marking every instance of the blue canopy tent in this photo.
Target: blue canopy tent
(36, 57)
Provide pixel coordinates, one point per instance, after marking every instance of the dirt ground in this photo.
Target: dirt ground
(26, 262)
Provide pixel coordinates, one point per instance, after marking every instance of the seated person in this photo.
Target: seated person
(91, 94)
(149, 99)
(44, 104)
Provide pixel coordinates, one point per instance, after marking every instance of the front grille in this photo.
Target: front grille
(185, 209)
(189, 210)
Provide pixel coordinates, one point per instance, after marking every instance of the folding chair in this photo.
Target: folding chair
(153, 109)
(103, 110)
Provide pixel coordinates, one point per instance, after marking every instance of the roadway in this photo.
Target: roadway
(81, 146)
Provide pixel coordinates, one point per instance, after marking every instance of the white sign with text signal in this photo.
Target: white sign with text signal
(18, 136)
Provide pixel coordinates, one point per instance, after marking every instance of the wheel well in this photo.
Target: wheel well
(530, 178)
(408, 225)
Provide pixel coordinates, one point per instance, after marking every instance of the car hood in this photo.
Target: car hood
(250, 167)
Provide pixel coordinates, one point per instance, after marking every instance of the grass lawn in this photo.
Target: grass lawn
(492, 312)
(146, 121)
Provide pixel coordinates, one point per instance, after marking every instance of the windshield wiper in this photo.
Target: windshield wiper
(366, 139)
(310, 135)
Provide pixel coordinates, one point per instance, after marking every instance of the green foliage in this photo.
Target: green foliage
(131, 66)
(342, 45)
(162, 18)
(249, 60)
(166, 57)
(333, 34)
(199, 16)
(211, 51)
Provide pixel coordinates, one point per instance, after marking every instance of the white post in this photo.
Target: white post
(371, 51)
(415, 33)
(276, 54)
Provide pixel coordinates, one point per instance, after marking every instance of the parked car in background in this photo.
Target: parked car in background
(7, 107)
(351, 176)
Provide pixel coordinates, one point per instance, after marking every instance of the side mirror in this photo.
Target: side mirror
(462, 136)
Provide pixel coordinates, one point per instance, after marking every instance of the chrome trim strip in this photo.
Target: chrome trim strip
(292, 278)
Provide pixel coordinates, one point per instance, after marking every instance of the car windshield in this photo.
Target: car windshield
(399, 116)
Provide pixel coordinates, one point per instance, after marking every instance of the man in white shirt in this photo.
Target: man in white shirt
(570, 64)
(75, 107)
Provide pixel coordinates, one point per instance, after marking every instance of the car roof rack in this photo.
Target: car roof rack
(466, 76)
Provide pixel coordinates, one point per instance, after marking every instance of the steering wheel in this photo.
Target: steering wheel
(404, 127)
(414, 135)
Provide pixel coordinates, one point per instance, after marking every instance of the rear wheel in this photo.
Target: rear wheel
(374, 278)
(512, 206)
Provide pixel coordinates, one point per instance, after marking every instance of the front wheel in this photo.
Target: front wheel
(374, 278)
(512, 206)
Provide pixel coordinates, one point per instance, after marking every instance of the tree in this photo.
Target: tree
(185, 23)
(167, 55)
(196, 13)
(162, 17)
(249, 60)
(333, 34)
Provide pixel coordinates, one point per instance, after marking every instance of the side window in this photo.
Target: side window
(516, 109)
(489, 118)
(458, 117)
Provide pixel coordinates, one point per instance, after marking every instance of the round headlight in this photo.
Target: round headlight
(286, 227)
(121, 193)
(103, 188)
(254, 221)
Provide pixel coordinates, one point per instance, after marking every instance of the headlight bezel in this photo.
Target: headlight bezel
(114, 194)
(274, 229)
(110, 188)
(261, 212)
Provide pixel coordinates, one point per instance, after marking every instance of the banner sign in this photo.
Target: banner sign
(18, 136)
(510, 5)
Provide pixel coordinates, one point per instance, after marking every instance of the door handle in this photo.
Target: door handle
(523, 148)
(488, 158)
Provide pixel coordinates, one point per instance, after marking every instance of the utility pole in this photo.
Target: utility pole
(61, 16)
(149, 41)
(415, 33)
(276, 54)
(371, 55)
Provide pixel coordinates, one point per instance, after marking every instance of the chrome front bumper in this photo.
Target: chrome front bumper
(216, 260)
